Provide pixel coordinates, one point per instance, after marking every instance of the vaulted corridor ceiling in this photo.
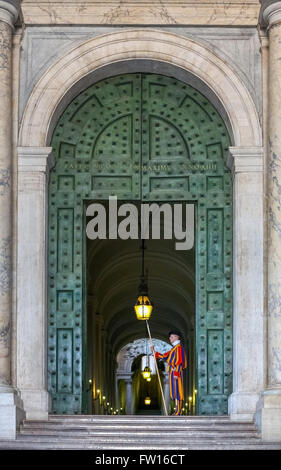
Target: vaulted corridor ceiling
(113, 273)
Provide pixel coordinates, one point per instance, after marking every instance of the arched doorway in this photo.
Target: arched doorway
(143, 137)
(131, 387)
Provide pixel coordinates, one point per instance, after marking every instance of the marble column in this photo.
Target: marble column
(269, 409)
(248, 282)
(89, 353)
(129, 398)
(166, 394)
(191, 365)
(8, 15)
(34, 165)
(92, 347)
(116, 403)
(99, 337)
(97, 361)
(11, 407)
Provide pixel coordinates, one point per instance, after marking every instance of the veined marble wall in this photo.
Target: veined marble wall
(209, 12)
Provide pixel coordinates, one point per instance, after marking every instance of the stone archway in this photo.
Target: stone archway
(40, 116)
(102, 144)
(125, 359)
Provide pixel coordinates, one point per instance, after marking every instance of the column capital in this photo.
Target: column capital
(35, 159)
(126, 376)
(270, 13)
(9, 11)
(245, 159)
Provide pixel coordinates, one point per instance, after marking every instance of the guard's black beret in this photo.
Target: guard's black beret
(175, 332)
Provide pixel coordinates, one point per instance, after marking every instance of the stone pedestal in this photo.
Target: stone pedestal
(268, 415)
(11, 406)
(33, 170)
(11, 412)
(248, 322)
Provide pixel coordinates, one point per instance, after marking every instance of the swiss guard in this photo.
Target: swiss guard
(176, 362)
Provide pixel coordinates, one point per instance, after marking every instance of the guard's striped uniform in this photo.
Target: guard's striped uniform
(176, 361)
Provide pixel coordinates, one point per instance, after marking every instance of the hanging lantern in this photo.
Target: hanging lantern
(146, 373)
(149, 362)
(143, 308)
(147, 401)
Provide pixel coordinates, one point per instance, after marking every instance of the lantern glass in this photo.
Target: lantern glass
(146, 373)
(147, 401)
(143, 308)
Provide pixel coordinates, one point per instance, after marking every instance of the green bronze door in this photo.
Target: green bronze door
(152, 138)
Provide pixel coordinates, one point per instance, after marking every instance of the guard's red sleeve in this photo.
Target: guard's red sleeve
(162, 356)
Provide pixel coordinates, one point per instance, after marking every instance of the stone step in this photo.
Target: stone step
(138, 432)
(194, 444)
(128, 425)
(161, 435)
(143, 418)
(137, 426)
(173, 421)
(150, 431)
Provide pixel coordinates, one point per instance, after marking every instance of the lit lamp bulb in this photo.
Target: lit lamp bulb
(148, 379)
(143, 308)
(147, 401)
(190, 398)
(146, 372)
(104, 398)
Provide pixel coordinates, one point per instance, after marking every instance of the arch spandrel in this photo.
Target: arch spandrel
(53, 91)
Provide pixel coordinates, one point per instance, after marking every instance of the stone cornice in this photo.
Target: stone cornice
(245, 159)
(35, 159)
(135, 12)
(9, 11)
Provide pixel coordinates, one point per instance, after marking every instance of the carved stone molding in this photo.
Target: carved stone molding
(272, 14)
(9, 11)
(245, 159)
